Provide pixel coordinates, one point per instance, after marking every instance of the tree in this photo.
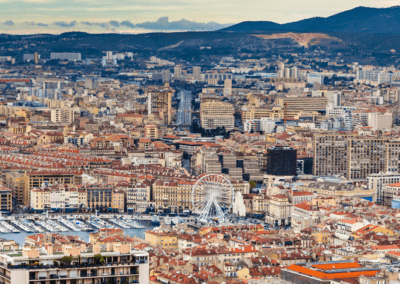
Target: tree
(98, 259)
(66, 260)
(252, 184)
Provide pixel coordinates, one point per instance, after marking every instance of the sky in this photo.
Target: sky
(139, 16)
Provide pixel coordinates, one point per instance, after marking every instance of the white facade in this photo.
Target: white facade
(377, 182)
(379, 121)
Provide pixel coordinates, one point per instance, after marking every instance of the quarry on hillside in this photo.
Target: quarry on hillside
(304, 39)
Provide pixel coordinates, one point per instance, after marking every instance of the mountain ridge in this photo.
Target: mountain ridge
(357, 20)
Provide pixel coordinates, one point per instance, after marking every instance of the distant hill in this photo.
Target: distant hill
(357, 20)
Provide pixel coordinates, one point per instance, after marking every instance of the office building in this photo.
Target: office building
(214, 113)
(65, 56)
(281, 161)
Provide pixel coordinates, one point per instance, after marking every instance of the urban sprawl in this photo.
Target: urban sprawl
(124, 169)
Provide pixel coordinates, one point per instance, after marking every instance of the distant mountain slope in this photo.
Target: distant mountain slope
(357, 20)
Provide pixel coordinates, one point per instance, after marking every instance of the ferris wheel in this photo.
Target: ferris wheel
(212, 197)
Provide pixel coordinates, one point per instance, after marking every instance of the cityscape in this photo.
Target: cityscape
(214, 149)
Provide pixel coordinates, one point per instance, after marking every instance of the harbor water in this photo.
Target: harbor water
(20, 237)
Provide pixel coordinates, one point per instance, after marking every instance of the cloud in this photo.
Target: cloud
(65, 24)
(101, 25)
(36, 24)
(9, 23)
(127, 24)
(164, 24)
(115, 24)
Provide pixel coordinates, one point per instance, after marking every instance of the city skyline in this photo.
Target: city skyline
(55, 16)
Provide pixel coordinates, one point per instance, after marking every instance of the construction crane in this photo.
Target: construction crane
(285, 112)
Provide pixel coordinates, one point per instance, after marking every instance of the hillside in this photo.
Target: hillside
(357, 20)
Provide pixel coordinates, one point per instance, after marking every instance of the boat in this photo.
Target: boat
(167, 221)
(155, 221)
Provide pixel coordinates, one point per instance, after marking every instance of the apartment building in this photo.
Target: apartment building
(138, 197)
(162, 239)
(280, 211)
(99, 197)
(63, 198)
(5, 199)
(380, 121)
(120, 264)
(60, 115)
(377, 182)
(65, 56)
(159, 101)
(173, 196)
(303, 103)
(37, 179)
(330, 154)
(214, 113)
(16, 182)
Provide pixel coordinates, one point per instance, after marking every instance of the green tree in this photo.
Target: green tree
(98, 259)
(252, 184)
(66, 259)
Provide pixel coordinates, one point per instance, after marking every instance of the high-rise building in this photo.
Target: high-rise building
(165, 76)
(287, 72)
(365, 156)
(281, 161)
(36, 57)
(65, 116)
(379, 121)
(177, 72)
(214, 113)
(160, 100)
(281, 65)
(197, 73)
(227, 87)
(294, 72)
(65, 56)
(88, 83)
(330, 154)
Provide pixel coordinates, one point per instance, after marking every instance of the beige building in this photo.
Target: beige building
(280, 210)
(16, 182)
(120, 264)
(159, 101)
(330, 154)
(173, 196)
(214, 113)
(60, 115)
(303, 103)
(365, 156)
(379, 121)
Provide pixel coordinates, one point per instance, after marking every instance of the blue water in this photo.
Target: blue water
(20, 237)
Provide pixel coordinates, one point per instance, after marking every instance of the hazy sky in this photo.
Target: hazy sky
(134, 16)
